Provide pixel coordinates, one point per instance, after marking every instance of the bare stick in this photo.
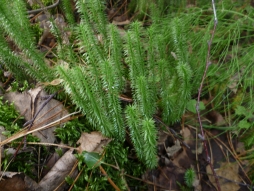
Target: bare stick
(30, 123)
(44, 8)
(208, 63)
(25, 132)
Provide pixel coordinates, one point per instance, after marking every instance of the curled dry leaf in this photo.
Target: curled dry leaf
(28, 103)
(174, 150)
(55, 82)
(92, 142)
(53, 111)
(228, 171)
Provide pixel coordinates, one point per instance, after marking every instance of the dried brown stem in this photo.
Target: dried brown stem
(44, 8)
(208, 63)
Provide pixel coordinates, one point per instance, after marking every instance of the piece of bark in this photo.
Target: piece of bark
(59, 172)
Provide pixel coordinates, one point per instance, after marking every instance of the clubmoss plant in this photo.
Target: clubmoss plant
(70, 132)
(19, 31)
(189, 177)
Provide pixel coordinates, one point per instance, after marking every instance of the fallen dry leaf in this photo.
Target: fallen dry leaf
(162, 142)
(228, 171)
(174, 150)
(53, 110)
(190, 140)
(22, 102)
(92, 142)
(187, 136)
(216, 118)
(18, 182)
(34, 93)
(28, 103)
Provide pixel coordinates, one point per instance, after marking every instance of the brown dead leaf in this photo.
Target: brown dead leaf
(53, 111)
(213, 116)
(190, 140)
(240, 148)
(216, 118)
(174, 150)
(120, 18)
(162, 142)
(28, 103)
(228, 171)
(92, 142)
(16, 181)
(182, 160)
(187, 136)
(22, 102)
(34, 93)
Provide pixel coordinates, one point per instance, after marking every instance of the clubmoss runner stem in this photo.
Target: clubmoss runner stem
(208, 63)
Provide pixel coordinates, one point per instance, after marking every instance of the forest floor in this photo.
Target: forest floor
(179, 147)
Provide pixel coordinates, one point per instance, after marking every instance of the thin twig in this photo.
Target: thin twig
(43, 8)
(24, 133)
(32, 121)
(109, 179)
(208, 63)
